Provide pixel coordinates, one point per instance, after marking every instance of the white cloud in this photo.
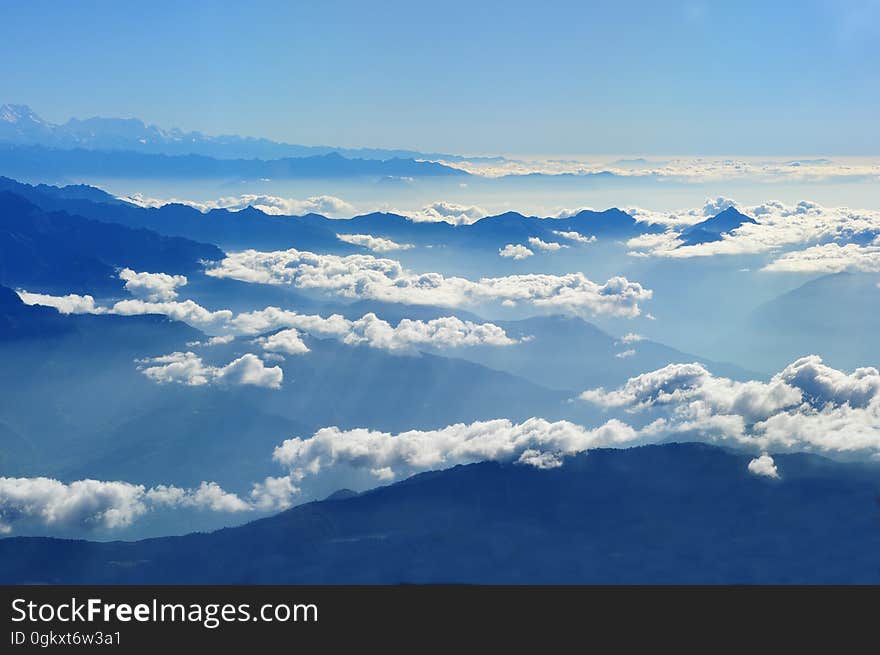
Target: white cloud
(97, 504)
(535, 442)
(376, 244)
(406, 336)
(808, 406)
(626, 353)
(288, 342)
(447, 212)
(369, 277)
(188, 368)
(631, 337)
(274, 494)
(208, 495)
(69, 304)
(152, 286)
(517, 251)
(764, 466)
(329, 206)
(213, 341)
(575, 236)
(544, 246)
(829, 258)
(828, 232)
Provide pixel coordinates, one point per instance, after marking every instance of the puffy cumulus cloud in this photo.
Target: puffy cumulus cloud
(98, 504)
(575, 236)
(329, 206)
(678, 384)
(631, 337)
(69, 304)
(780, 227)
(373, 278)
(288, 342)
(829, 258)
(630, 352)
(376, 244)
(517, 251)
(406, 336)
(764, 466)
(188, 368)
(444, 332)
(544, 246)
(208, 495)
(534, 442)
(447, 212)
(274, 494)
(717, 205)
(808, 406)
(152, 286)
(823, 384)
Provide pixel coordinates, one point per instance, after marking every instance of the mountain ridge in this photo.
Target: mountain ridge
(604, 517)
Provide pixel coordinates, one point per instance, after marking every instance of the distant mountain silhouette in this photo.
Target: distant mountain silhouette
(676, 513)
(54, 250)
(567, 352)
(712, 228)
(20, 124)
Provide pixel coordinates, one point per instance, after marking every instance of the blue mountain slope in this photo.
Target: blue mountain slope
(833, 316)
(570, 353)
(677, 513)
(54, 250)
(712, 228)
(71, 385)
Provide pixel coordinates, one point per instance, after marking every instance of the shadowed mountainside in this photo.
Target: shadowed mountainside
(677, 513)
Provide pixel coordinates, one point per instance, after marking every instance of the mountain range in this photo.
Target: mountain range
(21, 125)
(252, 228)
(666, 514)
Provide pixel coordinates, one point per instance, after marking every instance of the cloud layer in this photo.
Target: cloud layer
(517, 251)
(329, 206)
(447, 212)
(407, 336)
(152, 286)
(373, 278)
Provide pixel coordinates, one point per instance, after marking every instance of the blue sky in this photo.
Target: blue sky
(741, 78)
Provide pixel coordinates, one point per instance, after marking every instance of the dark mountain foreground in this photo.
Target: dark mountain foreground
(676, 513)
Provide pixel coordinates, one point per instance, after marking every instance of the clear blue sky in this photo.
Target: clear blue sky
(536, 77)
